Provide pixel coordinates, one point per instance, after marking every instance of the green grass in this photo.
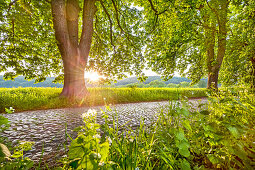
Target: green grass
(22, 99)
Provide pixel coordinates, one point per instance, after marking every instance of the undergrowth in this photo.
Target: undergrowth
(219, 135)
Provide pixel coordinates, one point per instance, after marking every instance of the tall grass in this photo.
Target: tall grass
(46, 98)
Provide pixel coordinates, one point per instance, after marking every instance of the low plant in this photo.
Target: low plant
(15, 160)
(218, 134)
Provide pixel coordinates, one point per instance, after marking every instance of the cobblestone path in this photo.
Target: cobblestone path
(47, 127)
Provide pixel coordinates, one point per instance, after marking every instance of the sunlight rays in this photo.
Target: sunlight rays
(92, 76)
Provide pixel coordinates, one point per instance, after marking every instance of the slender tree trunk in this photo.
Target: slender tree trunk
(212, 82)
(253, 73)
(214, 61)
(74, 52)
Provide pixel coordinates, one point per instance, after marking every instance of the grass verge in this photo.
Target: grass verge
(22, 99)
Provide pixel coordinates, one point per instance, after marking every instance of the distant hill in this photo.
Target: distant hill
(21, 82)
(174, 80)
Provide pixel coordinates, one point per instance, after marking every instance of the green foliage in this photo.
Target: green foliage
(10, 110)
(29, 46)
(88, 150)
(16, 160)
(4, 124)
(44, 98)
(240, 62)
(157, 83)
(219, 135)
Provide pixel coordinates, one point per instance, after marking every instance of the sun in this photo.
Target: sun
(92, 76)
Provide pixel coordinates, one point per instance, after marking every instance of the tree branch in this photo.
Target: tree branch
(11, 4)
(155, 10)
(60, 25)
(117, 16)
(89, 9)
(215, 12)
(110, 20)
(156, 14)
(72, 13)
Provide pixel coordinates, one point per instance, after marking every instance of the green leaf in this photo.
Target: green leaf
(213, 159)
(180, 135)
(183, 144)
(74, 163)
(17, 154)
(185, 111)
(186, 124)
(104, 150)
(183, 148)
(185, 165)
(204, 112)
(3, 120)
(77, 149)
(234, 131)
(4, 151)
(184, 151)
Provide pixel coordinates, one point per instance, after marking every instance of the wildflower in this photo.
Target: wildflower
(96, 155)
(131, 140)
(109, 140)
(97, 136)
(89, 113)
(101, 164)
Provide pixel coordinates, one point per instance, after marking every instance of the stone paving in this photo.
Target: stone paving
(47, 128)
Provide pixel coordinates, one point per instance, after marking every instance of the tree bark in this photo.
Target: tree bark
(212, 82)
(74, 54)
(74, 83)
(253, 72)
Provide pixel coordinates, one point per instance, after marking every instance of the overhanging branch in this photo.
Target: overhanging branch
(110, 20)
(11, 4)
(117, 15)
(157, 13)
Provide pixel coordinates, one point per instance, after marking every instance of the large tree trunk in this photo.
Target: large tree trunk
(74, 83)
(74, 52)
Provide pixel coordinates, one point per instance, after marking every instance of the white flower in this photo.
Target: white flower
(131, 140)
(97, 136)
(109, 140)
(89, 113)
(101, 164)
(96, 155)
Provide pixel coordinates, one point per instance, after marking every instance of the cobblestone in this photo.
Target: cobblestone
(47, 127)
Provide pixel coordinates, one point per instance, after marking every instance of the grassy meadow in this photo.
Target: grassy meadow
(22, 99)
